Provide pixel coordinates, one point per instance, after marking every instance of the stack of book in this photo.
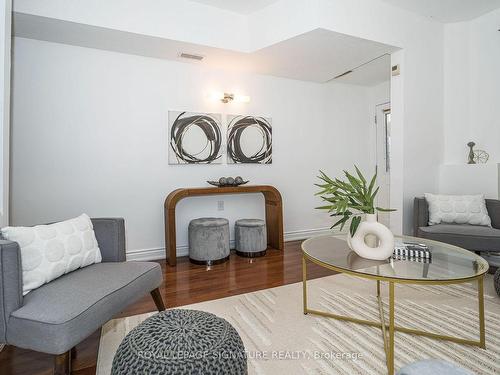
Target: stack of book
(412, 251)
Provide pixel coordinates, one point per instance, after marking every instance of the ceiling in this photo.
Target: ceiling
(238, 6)
(316, 56)
(448, 10)
(319, 56)
(440, 10)
(370, 74)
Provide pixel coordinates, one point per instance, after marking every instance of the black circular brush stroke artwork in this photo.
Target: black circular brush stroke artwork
(236, 129)
(211, 129)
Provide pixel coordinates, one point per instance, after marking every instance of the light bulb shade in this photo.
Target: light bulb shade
(216, 95)
(242, 98)
(226, 97)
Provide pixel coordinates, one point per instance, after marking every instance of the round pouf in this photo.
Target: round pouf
(250, 237)
(208, 240)
(433, 367)
(497, 281)
(181, 342)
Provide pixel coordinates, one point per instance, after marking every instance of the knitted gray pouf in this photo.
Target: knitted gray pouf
(208, 240)
(433, 367)
(250, 236)
(181, 342)
(497, 281)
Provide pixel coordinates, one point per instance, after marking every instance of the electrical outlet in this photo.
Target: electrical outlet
(220, 205)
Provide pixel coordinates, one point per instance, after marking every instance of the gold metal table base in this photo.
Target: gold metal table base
(388, 329)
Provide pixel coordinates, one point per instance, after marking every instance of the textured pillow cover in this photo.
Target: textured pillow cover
(50, 251)
(457, 209)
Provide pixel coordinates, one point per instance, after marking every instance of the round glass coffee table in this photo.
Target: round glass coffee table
(448, 265)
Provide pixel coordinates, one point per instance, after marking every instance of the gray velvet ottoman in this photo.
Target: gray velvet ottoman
(181, 342)
(208, 240)
(250, 236)
(433, 367)
(497, 281)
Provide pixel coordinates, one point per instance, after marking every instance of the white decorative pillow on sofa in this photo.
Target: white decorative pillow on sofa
(457, 209)
(50, 251)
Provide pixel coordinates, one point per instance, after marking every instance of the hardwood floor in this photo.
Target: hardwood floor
(184, 284)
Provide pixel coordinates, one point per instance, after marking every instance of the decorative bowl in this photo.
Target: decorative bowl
(216, 183)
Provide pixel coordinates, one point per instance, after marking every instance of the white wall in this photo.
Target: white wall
(5, 43)
(471, 179)
(171, 19)
(378, 94)
(416, 95)
(471, 84)
(471, 105)
(417, 111)
(90, 135)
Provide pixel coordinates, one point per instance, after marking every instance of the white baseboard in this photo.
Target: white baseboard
(307, 233)
(147, 254)
(159, 252)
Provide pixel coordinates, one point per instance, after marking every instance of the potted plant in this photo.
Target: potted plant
(349, 199)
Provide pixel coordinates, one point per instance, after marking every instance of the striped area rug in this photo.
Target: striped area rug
(281, 340)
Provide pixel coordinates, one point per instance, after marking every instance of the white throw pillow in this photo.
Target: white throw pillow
(50, 251)
(457, 209)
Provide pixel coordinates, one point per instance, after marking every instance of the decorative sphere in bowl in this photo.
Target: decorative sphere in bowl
(238, 180)
(230, 181)
(223, 181)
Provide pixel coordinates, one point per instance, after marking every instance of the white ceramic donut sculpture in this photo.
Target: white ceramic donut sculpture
(384, 236)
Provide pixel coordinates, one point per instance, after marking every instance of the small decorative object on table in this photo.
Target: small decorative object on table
(353, 197)
(481, 156)
(471, 153)
(228, 181)
(412, 251)
(477, 156)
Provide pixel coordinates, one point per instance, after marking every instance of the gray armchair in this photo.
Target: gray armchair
(58, 315)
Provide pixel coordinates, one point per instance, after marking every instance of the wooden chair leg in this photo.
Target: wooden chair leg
(158, 300)
(62, 364)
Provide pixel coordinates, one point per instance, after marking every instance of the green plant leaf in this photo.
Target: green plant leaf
(354, 225)
(325, 177)
(341, 222)
(360, 175)
(323, 208)
(345, 197)
(345, 213)
(355, 183)
(321, 192)
(385, 209)
(372, 182)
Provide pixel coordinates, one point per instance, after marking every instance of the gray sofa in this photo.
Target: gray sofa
(58, 315)
(471, 237)
(480, 239)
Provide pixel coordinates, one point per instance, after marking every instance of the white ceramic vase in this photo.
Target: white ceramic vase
(379, 243)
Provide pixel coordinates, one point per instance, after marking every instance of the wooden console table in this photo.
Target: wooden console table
(274, 213)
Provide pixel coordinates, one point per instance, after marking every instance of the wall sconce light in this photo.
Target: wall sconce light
(227, 97)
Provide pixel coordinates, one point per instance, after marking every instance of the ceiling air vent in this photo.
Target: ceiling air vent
(191, 56)
(343, 74)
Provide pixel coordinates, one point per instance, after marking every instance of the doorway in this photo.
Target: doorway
(383, 158)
